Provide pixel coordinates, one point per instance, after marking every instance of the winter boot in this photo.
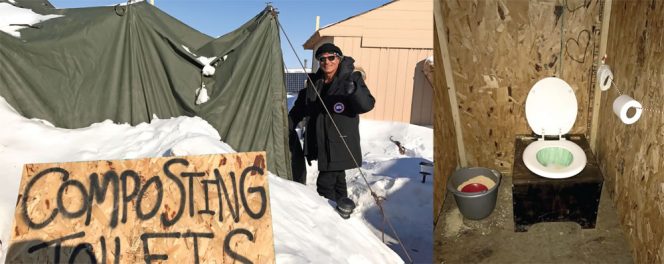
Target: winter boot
(345, 207)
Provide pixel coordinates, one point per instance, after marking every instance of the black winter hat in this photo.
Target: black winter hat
(328, 48)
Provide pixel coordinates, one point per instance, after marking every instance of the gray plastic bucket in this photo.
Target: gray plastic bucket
(476, 205)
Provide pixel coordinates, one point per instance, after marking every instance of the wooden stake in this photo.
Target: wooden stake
(447, 67)
(606, 17)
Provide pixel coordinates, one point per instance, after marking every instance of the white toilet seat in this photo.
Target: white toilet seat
(551, 109)
(579, 159)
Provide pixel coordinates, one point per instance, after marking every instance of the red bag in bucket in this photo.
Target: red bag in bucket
(474, 187)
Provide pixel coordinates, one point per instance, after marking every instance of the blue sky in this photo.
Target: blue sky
(217, 17)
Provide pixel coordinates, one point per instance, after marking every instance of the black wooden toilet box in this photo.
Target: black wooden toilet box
(537, 199)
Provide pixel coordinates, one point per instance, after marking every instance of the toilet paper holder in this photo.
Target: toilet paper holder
(604, 77)
(623, 103)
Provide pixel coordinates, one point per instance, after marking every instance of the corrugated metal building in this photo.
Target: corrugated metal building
(390, 43)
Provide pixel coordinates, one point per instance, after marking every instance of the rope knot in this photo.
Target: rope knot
(379, 199)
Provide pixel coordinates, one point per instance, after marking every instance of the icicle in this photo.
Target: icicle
(187, 49)
(201, 95)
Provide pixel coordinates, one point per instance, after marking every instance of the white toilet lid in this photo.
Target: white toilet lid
(551, 107)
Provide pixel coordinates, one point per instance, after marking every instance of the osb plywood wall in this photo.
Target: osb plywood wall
(498, 50)
(445, 148)
(631, 155)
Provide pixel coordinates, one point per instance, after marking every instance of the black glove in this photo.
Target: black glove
(350, 87)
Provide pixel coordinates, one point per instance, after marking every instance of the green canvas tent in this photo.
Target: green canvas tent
(128, 63)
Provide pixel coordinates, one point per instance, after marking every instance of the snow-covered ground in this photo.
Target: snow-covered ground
(409, 202)
(306, 228)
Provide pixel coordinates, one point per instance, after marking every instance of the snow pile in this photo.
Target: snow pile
(428, 69)
(208, 70)
(130, 2)
(13, 18)
(409, 204)
(306, 228)
(187, 49)
(429, 60)
(202, 95)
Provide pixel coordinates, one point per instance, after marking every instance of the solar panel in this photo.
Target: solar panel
(295, 81)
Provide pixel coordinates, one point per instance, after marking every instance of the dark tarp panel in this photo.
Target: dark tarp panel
(126, 63)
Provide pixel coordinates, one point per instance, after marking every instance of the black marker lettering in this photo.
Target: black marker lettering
(58, 245)
(219, 200)
(141, 195)
(259, 189)
(235, 211)
(227, 244)
(207, 200)
(169, 174)
(196, 236)
(146, 248)
(126, 198)
(26, 195)
(84, 200)
(191, 176)
(117, 251)
(88, 249)
(98, 193)
(102, 241)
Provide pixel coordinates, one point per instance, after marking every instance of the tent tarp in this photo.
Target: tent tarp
(128, 63)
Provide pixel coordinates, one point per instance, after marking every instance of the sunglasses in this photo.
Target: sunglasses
(330, 58)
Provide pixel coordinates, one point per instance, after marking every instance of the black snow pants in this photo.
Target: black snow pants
(332, 184)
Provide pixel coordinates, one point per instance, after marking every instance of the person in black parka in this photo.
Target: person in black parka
(345, 95)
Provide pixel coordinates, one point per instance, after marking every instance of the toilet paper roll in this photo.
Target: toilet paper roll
(604, 77)
(622, 104)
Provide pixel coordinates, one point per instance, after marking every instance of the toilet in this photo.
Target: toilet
(551, 110)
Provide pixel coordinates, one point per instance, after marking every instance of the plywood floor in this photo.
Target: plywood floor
(493, 240)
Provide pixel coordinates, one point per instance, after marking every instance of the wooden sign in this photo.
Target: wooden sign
(193, 209)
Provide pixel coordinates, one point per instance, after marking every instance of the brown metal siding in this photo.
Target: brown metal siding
(394, 79)
(399, 24)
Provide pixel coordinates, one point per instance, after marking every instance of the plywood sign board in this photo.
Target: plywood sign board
(193, 209)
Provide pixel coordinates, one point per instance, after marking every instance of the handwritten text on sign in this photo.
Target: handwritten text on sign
(194, 209)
